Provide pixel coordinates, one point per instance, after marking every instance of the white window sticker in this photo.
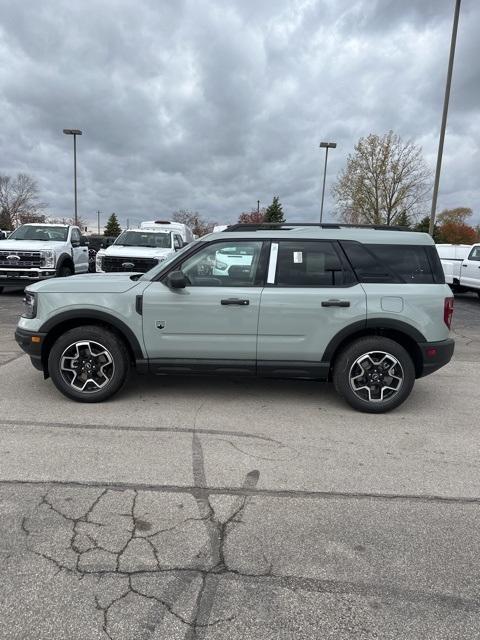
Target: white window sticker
(297, 257)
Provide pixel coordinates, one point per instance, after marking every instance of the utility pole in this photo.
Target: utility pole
(98, 221)
(444, 116)
(258, 206)
(74, 133)
(128, 223)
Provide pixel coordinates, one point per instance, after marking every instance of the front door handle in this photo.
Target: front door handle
(336, 303)
(239, 301)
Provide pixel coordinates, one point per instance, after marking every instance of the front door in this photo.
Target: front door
(212, 323)
(79, 252)
(310, 296)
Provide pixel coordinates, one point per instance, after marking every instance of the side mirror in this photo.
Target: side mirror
(84, 242)
(177, 280)
(76, 243)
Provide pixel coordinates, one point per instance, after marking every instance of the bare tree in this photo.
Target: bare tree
(19, 199)
(385, 180)
(192, 219)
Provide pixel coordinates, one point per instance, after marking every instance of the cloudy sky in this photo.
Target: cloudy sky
(213, 104)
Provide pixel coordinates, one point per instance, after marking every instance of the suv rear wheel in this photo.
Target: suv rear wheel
(88, 364)
(374, 374)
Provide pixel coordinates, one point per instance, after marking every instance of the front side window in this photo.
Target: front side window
(152, 240)
(303, 263)
(475, 254)
(75, 235)
(224, 264)
(39, 232)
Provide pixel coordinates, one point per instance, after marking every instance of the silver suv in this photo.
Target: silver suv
(367, 308)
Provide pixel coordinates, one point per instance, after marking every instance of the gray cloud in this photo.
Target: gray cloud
(212, 105)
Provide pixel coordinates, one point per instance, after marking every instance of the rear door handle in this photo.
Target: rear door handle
(239, 301)
(336, 303)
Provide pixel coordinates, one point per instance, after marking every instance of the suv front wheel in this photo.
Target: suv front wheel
(88, 364)
(374, 374)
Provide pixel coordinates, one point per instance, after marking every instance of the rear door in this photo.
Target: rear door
(470, 274)
(311, 295)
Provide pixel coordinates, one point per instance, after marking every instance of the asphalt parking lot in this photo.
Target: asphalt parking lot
(205, 508)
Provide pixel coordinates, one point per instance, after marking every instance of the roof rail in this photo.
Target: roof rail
(286, 226)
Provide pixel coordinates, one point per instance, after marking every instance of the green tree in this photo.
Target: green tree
(112, 228)
(384, 178)
(424, 227)
(403, 220)
(274, 212)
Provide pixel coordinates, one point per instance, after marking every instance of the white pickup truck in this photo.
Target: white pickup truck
(461, 265)
(38, 251)
(138, 250)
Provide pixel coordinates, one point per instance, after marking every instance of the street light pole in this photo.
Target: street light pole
(74, 133)
(444, 116)
(326, 146)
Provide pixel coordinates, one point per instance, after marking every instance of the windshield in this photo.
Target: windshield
(144, 239)
(39, 232)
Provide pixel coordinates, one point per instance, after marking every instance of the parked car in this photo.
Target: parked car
(461, 265)
(138, 250)
(366, 308)
(41, 251)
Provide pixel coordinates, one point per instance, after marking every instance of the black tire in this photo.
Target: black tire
(64, 271)
(347, 373)
(109, 371)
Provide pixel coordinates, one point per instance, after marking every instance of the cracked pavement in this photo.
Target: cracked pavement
(204, 509)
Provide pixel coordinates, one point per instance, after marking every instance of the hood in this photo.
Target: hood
(86, 283)
(136, 252)
(29, 245)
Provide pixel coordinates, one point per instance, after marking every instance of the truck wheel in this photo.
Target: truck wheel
(64, 271)
(88, 364)
(374, 374)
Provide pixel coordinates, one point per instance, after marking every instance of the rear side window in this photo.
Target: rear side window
(312, 263)
(395, 263)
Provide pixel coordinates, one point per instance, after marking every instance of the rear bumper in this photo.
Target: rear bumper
(436, 355)
(32, 349)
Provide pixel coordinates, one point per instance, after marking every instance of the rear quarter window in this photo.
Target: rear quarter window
(395, 263)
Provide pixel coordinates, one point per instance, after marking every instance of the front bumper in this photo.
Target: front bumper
(22, 277)
(31, 342)
(436, 355)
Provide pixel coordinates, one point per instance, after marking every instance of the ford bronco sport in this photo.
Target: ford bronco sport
(367, 308)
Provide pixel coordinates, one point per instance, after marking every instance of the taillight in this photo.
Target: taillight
(448, 311)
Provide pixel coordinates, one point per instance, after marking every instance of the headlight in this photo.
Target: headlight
(29, 305)
(98, 261)
(48, 259)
